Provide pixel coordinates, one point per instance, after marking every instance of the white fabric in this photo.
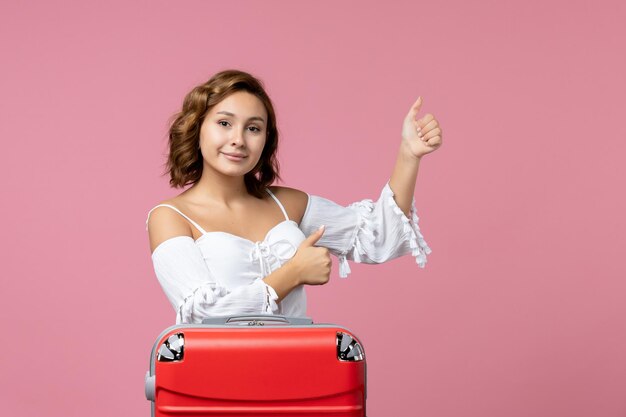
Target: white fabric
(221, 274)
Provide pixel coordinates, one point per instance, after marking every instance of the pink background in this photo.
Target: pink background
(520, 310)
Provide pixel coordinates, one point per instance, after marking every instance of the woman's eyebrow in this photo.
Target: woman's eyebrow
(251, 118)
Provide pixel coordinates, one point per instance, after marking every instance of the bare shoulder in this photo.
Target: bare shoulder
(165, 223)
(294, 200)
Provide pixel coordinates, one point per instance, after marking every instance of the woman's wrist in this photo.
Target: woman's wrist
(293, 272)
(283, 280)
(407, 154)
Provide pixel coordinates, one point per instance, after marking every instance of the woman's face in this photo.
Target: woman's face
(233, 133)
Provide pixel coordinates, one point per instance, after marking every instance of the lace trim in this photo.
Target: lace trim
(208, 293)
(419, 247)
(270, 306)
(201, 296)
(366, 230)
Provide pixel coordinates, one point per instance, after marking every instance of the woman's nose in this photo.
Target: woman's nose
(237, 138)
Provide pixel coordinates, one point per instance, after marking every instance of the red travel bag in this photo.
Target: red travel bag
(257, 366)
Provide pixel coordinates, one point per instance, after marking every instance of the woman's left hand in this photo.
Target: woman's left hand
(420, 136)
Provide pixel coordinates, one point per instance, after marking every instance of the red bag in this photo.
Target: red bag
(257, 366)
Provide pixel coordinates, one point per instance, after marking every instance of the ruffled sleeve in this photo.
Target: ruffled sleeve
(366, 231)
(196, 294)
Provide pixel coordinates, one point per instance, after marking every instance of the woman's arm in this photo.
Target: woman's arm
(310, 265)
(191, 288)
(366, 231)
(195, 292)
(419, 137)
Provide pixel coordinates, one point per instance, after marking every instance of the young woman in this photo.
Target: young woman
(233, 244)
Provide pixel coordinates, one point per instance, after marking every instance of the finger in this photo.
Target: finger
(424, 121)
(426, 132)
(434, 141)
(431, 133)
(314, 237)
(415, 108)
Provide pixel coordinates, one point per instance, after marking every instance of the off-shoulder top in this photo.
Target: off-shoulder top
(222, 274)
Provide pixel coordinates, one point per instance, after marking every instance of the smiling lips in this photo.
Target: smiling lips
(234, 156)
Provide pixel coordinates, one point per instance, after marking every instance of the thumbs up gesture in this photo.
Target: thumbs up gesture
(420, 136)
(311, 263)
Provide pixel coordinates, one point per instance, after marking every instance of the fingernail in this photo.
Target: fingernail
(321, 227)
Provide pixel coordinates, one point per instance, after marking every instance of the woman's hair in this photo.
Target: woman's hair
(184, 162)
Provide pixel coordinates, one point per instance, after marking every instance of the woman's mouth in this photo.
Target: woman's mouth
(234, 157)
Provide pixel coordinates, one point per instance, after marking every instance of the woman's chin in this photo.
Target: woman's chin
(226, 170)
(235, 171)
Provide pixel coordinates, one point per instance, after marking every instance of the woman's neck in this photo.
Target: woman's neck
(214, 187)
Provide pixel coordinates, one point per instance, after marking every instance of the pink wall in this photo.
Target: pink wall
(520, 310)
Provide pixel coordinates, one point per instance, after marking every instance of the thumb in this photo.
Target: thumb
(415, 108)
(314, 237)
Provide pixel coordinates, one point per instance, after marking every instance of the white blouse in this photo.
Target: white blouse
(222, 274)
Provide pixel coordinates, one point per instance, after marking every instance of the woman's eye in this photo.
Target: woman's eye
(225, 123)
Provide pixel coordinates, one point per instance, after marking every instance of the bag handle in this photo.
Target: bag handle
(258, 320)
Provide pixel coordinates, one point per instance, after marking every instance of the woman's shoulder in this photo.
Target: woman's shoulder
(164, 222)
(166, 209)
(294, 200)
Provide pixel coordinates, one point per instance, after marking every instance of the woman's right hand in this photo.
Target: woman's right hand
(312, 264)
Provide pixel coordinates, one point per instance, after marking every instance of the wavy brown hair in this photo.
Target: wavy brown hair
(184, 162)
